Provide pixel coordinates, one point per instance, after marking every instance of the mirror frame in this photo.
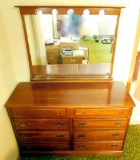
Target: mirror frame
(26, 10)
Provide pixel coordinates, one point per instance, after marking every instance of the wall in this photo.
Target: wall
(137, 88)
(13, 58)
(8, 145)
(127, 43)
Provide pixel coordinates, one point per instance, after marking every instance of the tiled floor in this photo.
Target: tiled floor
(135, 118)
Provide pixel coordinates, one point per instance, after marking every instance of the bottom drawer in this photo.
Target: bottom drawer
(45, 146)
(118, 145)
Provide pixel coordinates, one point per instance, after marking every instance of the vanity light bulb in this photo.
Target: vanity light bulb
(86, 12)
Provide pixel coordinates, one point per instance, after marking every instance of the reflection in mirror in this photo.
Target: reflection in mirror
(56, 41)
(51, 33)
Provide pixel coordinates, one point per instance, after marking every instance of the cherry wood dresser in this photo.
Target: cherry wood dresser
(70, 118)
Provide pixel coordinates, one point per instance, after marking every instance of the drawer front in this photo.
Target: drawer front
(99, 135)
(43, 136)
(102, 112)
(53, 58)
(96, 146)
(101, 124)
(45, 146)
(41, 124)
(72, 59)
(38, 113)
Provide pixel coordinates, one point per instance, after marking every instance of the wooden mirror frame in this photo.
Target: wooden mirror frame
(57, 77)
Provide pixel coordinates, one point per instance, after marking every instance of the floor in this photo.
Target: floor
(135, 119)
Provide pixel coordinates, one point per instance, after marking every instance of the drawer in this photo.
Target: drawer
(45, 146)
(99, 135)
(43, 136)
(38, 112)
(72, 59)
(102, 112)
(101, 124)
(41, 124)
(96, 146)
(53, 58)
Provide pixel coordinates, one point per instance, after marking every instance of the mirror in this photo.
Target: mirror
(70, 42)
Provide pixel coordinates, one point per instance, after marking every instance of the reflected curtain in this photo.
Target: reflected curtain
(40, 43)
(55, 23)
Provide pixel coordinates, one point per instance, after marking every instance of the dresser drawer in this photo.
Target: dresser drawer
(59, 146)
(102, 112)
(43, 136)
(96, 146)
(37, 112)
(41, 124)
(99, 135)
(101, 124)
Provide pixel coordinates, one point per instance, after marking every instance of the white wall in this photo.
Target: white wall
(125, 43)
(8, 145)
(14, 63)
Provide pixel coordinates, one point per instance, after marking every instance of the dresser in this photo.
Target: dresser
(70, 118)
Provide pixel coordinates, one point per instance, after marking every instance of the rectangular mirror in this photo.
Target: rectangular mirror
(68, 43)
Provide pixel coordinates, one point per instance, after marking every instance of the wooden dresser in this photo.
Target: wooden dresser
(70, 118)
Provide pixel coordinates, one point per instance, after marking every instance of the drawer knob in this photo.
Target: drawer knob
(81, 146)
(82, 124)
(83, 113)
(72, 60)
(57, 113)
(118, 123)
(114, 146)
(115, 135)
(81, 135)
(59, 124)
(60, 136)
(121, 112)
(20, 113)
(23, 124)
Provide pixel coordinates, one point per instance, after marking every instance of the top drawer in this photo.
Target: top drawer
(102, 112)
(37, 112)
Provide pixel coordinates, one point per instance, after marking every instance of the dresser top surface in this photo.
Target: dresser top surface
(60, 95)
